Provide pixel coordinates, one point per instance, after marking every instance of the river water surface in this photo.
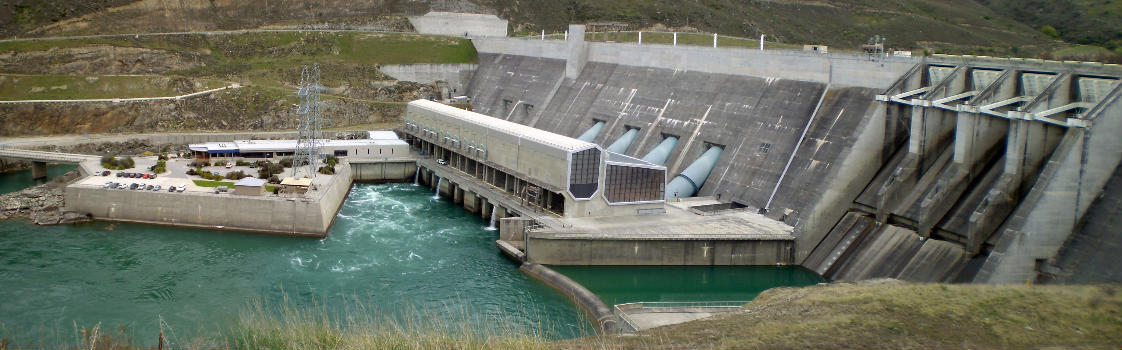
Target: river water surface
(393, 248)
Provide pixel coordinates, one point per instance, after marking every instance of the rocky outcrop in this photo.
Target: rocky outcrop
(42, 204)
(98, 59)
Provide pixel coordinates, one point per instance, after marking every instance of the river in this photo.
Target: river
(393, 248)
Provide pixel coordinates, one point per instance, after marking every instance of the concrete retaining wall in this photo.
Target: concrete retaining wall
(543, 248)
(457, 75)
(585, 299)
(459, 24)
(295, 216)
(383, 171)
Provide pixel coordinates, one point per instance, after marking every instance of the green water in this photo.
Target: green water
(18, 180)
(625, 284)
(393, 248)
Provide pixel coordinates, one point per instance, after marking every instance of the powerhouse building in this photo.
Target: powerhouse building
(564, 175)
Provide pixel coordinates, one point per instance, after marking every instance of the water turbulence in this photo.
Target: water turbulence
(491, 226)
(436, 189)
(417, 178)
(392, 250)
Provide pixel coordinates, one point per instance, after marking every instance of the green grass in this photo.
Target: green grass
(209, 183)
(229, 184)
(896, 315)
(66, 87)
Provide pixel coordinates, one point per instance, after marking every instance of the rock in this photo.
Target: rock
(73, 217)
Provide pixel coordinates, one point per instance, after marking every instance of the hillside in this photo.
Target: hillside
(890, 314)
(983, 27)
(1086, 22)
(266, 64)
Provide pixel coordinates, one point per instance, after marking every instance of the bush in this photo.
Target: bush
(332, 160)
(286, 162)
(274, 179)
(192, 171)
(162, 157)
(236, 175)
(1050, 31)
(241, 163)
(267, 169)
(111, 162)
(160, 167)
(327, 170)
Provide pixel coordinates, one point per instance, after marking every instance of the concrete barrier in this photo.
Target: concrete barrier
(266, 214)
(587, 301)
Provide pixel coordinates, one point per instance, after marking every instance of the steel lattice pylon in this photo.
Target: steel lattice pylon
(310, 133)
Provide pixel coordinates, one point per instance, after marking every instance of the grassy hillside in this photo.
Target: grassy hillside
(870, 315)
(1085, 22)
(955, 26)
(899, 316)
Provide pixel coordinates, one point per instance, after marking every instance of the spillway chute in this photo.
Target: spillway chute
(689, 181)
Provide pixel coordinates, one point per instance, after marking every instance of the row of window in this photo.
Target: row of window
(634, 184)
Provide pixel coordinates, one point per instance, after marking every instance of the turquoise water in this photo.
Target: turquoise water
(625, 284)
(18, 180)
(392, 248)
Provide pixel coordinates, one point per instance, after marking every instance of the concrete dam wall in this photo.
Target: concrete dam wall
(925, 169)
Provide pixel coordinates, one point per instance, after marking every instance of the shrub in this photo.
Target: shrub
(274, 179)
(160, 167)
(267, 169)
(162, 156)
(286, 162)
(327, 170)
(241, 163)
(332, 160)
(1050, 31)
(236, 175)
(192, 171)
(111, 162)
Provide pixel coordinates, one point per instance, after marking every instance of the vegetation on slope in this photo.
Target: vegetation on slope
(1085, 22)
(266, 64)
(891, 314)
(870, 314)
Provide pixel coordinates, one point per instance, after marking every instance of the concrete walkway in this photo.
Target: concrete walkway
(124, 100)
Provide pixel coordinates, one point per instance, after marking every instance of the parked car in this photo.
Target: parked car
(181, 188)
(229, 165)
(441, 162)
(121, 186)
(105, 173)
(120, 174)
(107, 183)
(157, 188)
(153, 176)
(171, 188)
(148, 188)
(133, 186)
(145, 176)
(221, 189)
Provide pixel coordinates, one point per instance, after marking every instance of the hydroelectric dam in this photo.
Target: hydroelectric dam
(855, 166)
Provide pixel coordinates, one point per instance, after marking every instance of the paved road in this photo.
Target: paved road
(215, 32)
(122, 100)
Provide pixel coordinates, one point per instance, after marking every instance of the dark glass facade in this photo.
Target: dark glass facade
(584, 172)
(634, 184)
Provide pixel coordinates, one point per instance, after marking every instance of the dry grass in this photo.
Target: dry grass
(895, 315)
(265, 326)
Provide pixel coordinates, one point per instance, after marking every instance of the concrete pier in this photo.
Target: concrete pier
(38, 170)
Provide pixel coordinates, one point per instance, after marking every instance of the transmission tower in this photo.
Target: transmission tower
(310, 134)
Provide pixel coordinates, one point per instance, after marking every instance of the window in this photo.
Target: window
(341, 153)
(584, 172)
(633, 184)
